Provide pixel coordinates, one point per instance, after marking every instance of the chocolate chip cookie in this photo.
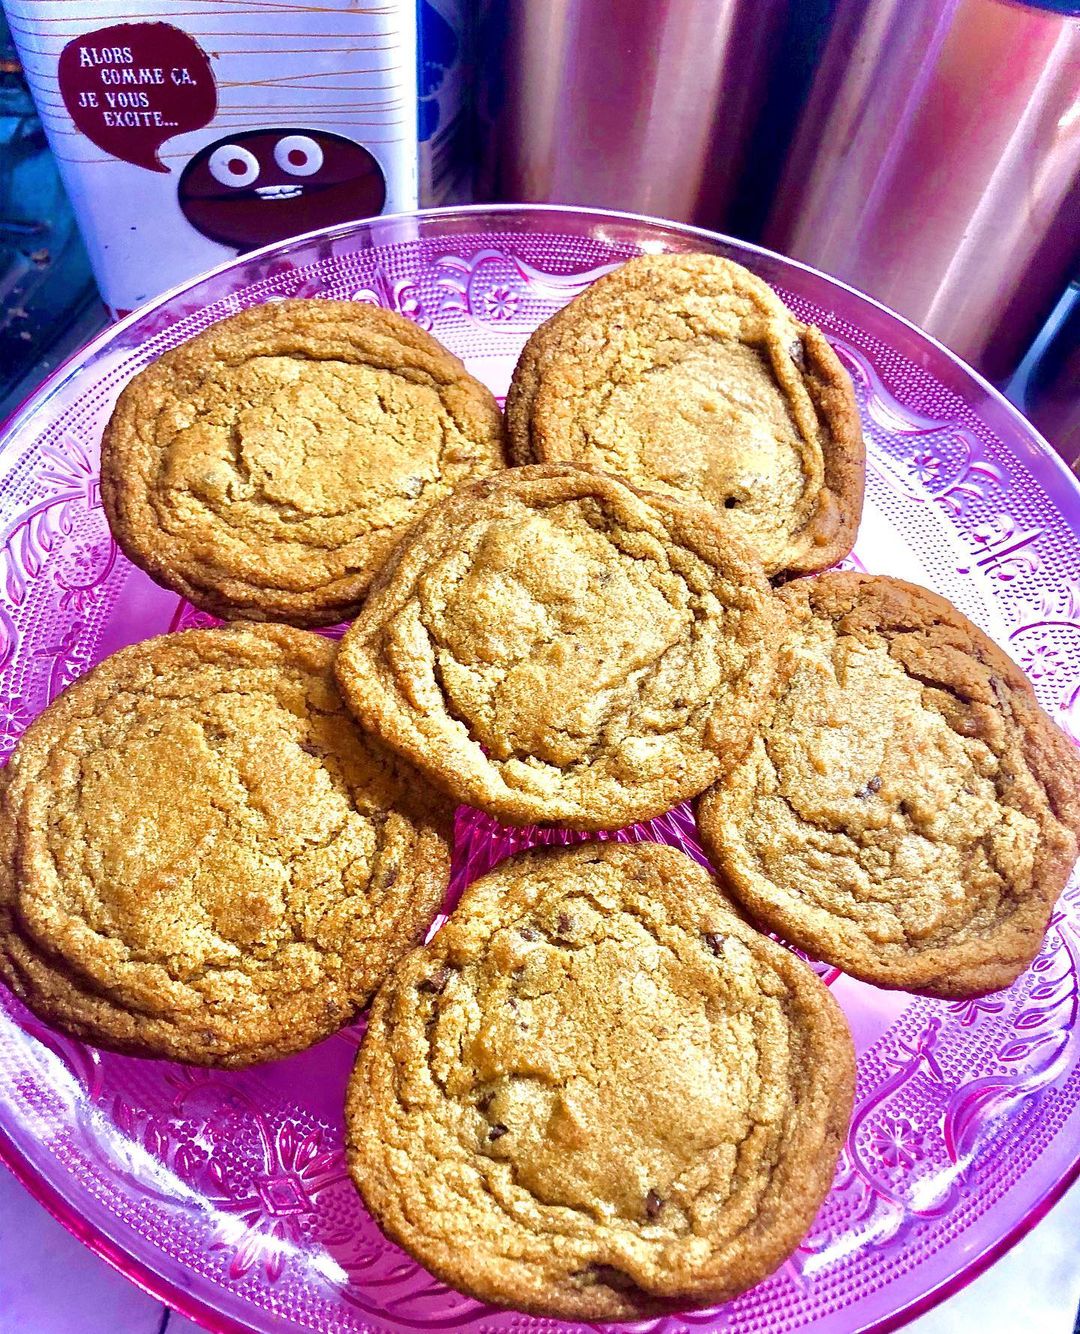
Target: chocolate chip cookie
(202, 859)
(598, 1093)
(687, 375)
(553, 645)
(265, 468)
(907, 812)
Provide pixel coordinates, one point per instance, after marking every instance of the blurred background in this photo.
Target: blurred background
(925, 151)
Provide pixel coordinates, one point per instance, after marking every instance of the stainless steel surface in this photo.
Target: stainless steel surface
(645, 105)
(937, 166)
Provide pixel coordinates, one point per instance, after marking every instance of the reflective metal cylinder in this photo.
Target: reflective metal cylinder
(937, 167)
(644, 105)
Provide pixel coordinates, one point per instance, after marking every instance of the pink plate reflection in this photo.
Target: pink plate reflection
(226, 1194)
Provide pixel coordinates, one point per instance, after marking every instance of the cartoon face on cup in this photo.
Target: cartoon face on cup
(264, 185)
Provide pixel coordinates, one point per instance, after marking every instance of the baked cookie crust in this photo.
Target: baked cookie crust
(686, 374)
(201, 858)
(553, 645)
(265, 468)
(598, 1094)
(907, 812)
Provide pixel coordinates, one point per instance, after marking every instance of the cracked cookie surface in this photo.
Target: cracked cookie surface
(265, 468)
(907, 812)
(686, 374)
(201, 858)
(553, 645)
(598, 1093)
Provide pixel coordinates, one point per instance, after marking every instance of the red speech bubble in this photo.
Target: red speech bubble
(131, 86)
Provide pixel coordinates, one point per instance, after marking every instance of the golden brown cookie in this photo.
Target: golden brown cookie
(686, 374)
(553, 645)
(201, 858)
(598, 1093)
(908, 812)
(266, 468)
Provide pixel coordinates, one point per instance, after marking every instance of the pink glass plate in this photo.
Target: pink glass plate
(225, 1194)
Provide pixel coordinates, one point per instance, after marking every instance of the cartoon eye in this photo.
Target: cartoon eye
(232, 165)
(298, 155)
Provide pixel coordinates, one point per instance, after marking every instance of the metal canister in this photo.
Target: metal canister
(644, 105)
(937, 166)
